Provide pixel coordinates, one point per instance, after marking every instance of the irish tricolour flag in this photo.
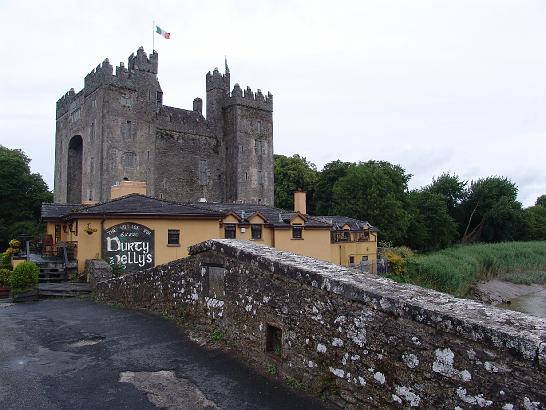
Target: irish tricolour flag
(159, 30)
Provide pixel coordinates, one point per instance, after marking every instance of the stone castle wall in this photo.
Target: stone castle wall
(127, 132)
(359, 340)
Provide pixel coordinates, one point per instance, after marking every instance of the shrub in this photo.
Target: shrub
(118, 268)
(24, 276)
(398, 258)
(5, 261)
(4, 277)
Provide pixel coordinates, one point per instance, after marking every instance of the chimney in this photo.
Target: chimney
(198, 105)
(127, 187)
(300, 202)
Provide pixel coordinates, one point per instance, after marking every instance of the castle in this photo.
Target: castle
(117, 128)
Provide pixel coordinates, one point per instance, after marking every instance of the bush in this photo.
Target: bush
(4, 277)
(398, 258)
(5, 261)
(24, 276)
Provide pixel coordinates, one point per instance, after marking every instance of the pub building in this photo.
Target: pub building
(140, 232)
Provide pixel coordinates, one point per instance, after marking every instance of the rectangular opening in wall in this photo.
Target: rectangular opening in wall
(256, 231)
(273, 340)
(216, 275)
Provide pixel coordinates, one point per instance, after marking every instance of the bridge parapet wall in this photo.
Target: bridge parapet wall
(360, 340)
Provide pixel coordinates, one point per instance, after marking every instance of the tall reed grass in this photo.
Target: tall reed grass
(455, 269)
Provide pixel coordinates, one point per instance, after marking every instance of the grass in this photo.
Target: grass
(455, 269)
(217, 336)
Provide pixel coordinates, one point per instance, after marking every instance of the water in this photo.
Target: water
(533, 304)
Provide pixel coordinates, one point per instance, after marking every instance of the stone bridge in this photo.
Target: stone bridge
(357, 340)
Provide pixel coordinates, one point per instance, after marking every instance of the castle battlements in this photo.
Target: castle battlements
(250, 99)
(217, 81)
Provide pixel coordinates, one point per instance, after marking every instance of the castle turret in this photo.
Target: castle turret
(217, 86)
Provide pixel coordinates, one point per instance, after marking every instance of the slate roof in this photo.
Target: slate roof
(145, 206)
(338, 222)
(134, 205)
(275, 216)
(57, 211)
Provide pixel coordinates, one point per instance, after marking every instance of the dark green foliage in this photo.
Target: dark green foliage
(492, 212)
(5, 277)
(375, 191)
(22, 195)
(534, 219)
(5, 261)
(431, 225)
(541, 201)
(24, 276)
(327, 177)
(293, 173)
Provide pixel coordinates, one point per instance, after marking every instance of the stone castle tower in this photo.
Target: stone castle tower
(117, 127)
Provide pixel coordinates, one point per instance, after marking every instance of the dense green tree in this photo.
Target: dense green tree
(326, 180)
(293, 173)
(491, 211)
(534, 219)
(375, 191)
(541, 201)
(21, 196)
(431, 226)
(451, 188)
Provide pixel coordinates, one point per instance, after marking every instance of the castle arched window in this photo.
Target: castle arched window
(75, 115)
(128, 159)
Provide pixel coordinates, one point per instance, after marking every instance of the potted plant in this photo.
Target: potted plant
(24, 281)
(4, 282)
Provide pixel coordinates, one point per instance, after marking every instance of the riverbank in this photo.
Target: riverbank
(497, 292)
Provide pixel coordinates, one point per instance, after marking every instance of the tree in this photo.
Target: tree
(451, 188)
(534, 219)
(22, 194)
(326, 180)
(491, 211)
(431, 226)
(541, 201)
(375, 191)
(293, 173)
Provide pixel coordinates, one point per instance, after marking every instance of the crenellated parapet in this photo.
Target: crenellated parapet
(250, 99)
(101, 75)
(143, 62)
(63, 103)
(217, 81)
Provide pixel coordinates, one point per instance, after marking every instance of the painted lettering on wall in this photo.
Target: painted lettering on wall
(129, 244)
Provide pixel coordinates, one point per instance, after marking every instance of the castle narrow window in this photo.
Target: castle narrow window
(92, 167)
(260, 178)
(256, 231)
(173, 237)
(257, 146)
(259, 126)
(297, 232)
(159, 97)
(128, 159)
(126, 101)
(246, 176)
(230, 231)
(203, 172)
(92, 132)
(127, 130)
(76, 115)
(241, 148)
(94, 102)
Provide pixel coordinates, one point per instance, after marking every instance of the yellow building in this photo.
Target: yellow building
(140, 232)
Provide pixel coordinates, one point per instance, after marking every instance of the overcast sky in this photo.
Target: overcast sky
(435, 86)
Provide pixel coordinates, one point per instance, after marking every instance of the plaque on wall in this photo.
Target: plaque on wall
(129, 244)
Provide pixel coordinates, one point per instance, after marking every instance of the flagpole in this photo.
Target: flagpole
(153, 37)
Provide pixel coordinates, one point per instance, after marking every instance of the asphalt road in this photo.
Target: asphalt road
(77, 354)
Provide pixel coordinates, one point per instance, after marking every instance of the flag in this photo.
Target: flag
(159, 30)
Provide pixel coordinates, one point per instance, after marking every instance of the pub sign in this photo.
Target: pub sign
(129, 244)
